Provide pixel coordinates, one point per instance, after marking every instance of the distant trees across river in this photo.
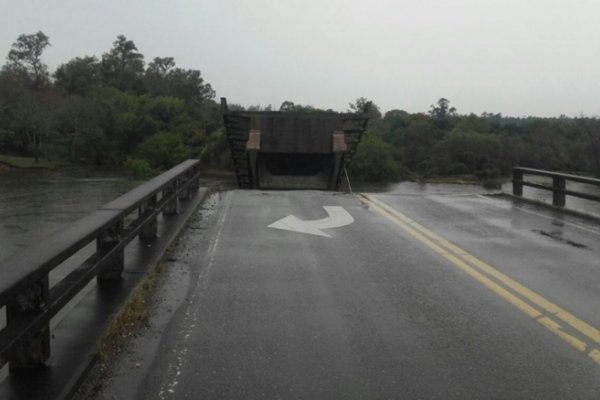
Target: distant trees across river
(117, 109)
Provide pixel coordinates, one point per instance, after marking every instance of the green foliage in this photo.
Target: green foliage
(25, 59)
(463, 152)
(363, 105)
(104, 111)
(442, 113)
(445, 143)
(216, 152)
(162, 150)
(28, 162)
(113, 110)
(289, 106)
(78, 76)
(123, 67)
(139, 167)
(374, 161)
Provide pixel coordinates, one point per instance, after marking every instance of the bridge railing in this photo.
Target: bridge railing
(559, 184)
(25, 292)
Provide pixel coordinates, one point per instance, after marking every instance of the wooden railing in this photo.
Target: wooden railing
(30, 302)
(559, 184)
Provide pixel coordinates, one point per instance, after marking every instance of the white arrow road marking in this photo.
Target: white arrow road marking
(338, 216)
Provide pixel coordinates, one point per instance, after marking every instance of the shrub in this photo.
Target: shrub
(374, 161)
(139, 167)
(162, 150)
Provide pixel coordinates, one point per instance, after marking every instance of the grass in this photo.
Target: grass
(124, 326)
(131, 318)
(29, 162)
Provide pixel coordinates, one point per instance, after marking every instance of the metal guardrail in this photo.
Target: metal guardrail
(24, 285)
(559, 184)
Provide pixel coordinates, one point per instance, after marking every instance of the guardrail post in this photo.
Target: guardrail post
(517, 182)
(195, 184)
(558, 191)
(106, 242)
(171, 208)
(34, 350)
(150, 230)
(188, 192)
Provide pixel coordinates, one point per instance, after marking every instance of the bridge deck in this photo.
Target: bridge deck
(383, 308)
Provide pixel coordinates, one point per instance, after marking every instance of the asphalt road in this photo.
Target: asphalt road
(425, 295)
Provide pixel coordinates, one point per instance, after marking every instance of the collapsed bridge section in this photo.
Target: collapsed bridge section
(292, 150)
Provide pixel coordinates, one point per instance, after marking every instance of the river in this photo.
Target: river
(33, 203)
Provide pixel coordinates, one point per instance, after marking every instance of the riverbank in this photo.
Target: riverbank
(12, 162)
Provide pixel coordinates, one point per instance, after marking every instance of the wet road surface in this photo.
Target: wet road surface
(423, 296)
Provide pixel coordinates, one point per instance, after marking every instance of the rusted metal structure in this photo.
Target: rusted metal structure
(292, 150)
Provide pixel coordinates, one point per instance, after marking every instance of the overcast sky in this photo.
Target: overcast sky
(517, 57)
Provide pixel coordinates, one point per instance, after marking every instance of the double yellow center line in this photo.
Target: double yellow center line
(570, 329)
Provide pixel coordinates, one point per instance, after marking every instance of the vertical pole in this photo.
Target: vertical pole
(106, 242)
(348, 180)
(34, 350)
(252, 149)
(171, 208)
(195, 184)
(192, 185)
(558, 191)
(186, 193)
(150, 230)
(517, 182)
(339, 149)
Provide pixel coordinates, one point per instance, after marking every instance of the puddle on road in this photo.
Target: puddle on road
(557, 235)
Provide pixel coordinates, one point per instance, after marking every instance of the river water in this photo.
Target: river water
(33, 204)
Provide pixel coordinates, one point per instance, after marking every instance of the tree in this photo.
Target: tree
(163, 79)
(374, 161)
(289, 106)
(362, 105)
(394, 123)
(25, 59)
(160, 66)
(442, 112)
(78, 76)
(468, 152)
(123, 67)
(11, 90)
(77, 123)
(163, 150)
(593, 140)
(157, 82)
(32, 121)
(416, 141)
(188, 85)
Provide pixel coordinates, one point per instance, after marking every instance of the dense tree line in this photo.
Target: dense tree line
(444, 143)
(117, 109)
(109, 110)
